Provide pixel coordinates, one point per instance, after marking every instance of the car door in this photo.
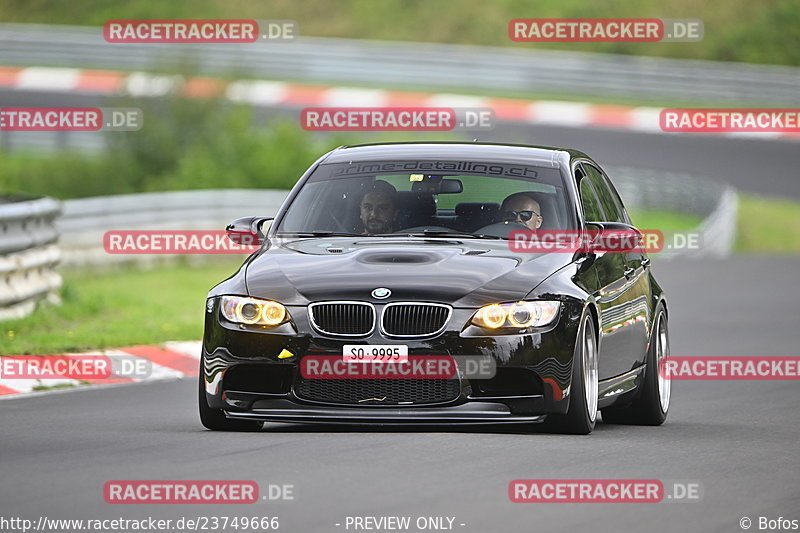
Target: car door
(609, 270)
(626, 315)
(636, 265)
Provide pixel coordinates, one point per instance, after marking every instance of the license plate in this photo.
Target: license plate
(375, 353)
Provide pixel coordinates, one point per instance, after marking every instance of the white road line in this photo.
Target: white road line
(350, 97)
(257, 92)
(561, 113)
(190, 348)
(48, 79)
(144, 84)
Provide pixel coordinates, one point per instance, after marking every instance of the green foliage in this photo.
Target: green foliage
(184, 144)
(764, 31)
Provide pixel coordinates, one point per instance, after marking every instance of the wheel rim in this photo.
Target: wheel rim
(590, 370)
(662, 351)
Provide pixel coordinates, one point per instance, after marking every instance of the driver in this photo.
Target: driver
(522, 208)
(379, 208)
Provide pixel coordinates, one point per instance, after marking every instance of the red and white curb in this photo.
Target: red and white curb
(172, 360)
(285, 94)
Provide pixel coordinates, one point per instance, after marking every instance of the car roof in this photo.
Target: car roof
(458, 150)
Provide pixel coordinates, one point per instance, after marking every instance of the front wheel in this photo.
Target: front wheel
(215, 419)
(652, 403)
(582, 413)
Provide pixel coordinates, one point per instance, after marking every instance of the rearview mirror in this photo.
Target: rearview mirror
(438, 185)
(246, 231)
(451, 186)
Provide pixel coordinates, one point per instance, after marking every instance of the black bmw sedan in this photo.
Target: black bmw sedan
(387, 290)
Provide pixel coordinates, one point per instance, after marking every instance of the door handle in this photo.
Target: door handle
(629, 272)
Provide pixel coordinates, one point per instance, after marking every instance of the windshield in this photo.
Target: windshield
(429, 198)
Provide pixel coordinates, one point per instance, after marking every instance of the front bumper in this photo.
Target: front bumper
(248, 375)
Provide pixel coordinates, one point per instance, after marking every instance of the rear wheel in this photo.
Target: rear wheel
(215, 419)
(582, 413)
(652, 403)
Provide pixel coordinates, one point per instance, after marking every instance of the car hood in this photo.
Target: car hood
(464, 273)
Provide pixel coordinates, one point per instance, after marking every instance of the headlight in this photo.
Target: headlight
(253, 311)
(516, 315)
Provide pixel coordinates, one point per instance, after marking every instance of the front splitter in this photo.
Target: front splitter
(469, 413)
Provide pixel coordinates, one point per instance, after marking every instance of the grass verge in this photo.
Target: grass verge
(665, 220)
(119, 308)
(767, 225)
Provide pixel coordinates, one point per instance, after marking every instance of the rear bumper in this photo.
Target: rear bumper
(280, 410)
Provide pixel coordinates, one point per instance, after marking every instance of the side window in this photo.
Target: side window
(608, 200)
(591, 207)
(614, 192)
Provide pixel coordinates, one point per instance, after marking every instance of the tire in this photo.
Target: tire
(215, 419)
(582, 413)
(651, 405)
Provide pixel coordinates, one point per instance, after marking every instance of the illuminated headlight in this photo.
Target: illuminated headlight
(516, 315)
(253, 311)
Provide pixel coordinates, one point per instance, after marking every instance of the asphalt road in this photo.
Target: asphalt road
(738, 439)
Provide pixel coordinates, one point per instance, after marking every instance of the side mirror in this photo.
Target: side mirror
(597, 226)
(246, 231)
(617, 237)
(612, 226)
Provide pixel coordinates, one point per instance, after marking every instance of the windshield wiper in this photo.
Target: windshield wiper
(440, 233)
(425, 233)
(322, 233)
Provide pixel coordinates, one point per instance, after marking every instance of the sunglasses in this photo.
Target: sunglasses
(523, 215)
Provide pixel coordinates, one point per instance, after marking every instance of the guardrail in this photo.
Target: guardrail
(666, 191)
(28, 254)
(406, 64)
(717, 204)
(86, 220)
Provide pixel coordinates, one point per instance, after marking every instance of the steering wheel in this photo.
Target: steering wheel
(341, 227)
